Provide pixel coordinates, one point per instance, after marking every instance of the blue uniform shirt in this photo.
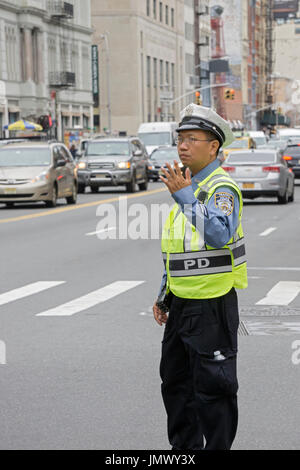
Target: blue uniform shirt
(220, 220)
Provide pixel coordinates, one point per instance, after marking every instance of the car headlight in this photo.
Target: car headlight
(42, 177)
(124, 165)
(81, 166)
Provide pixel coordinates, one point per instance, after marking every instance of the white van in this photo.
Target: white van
(259, 138)
(155, 134)
(286, 134)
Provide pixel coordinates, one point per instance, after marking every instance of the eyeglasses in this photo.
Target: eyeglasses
(190, 140)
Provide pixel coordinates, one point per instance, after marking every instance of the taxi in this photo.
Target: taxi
(241, 143)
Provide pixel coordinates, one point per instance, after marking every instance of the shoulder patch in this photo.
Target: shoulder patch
(224, 202)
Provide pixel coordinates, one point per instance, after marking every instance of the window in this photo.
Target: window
(167, 14)
(154, 9)
(155, 73)
(167, 73)
(172, 18)
(161, 73)
(148, 71)
(173, 76)
(148, 7)
(160, 12)
(75, 121)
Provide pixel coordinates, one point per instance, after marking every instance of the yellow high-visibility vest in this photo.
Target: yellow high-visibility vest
(196, 270)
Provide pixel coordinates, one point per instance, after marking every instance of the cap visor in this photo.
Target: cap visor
(188, 127)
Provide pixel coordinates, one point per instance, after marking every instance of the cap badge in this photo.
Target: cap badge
(189, 110)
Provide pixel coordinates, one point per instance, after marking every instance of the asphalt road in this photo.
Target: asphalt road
(82, 349)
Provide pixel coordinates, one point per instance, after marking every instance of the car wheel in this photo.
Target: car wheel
(72, 199)
(285, 198)
(53, 201)
(94, 189)
(144, 186)
(81, 188)
(131, 187)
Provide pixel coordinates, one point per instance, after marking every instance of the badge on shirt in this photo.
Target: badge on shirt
(224, 202)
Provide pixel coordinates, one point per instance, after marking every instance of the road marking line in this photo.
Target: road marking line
(90, 300)
(268, 231)
(101, 231)
(283, 293)
(25, 291)
(78, 206)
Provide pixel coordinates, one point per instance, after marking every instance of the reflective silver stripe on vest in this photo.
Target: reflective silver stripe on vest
(188, 238)
(239, 252)
(165, 256)
(200, 263)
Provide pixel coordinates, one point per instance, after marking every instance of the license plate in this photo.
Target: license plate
(248, 185)
(10, 191)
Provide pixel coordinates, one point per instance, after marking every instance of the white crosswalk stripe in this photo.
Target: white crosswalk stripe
(25, 291)
(91, 299)
(283, 293)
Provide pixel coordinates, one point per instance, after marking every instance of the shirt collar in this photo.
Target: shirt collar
(205, 172)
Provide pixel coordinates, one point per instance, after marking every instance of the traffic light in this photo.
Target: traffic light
(198, 98)
(232, 94)
(227, 94)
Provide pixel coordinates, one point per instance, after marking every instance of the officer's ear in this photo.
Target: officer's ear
(215, 146)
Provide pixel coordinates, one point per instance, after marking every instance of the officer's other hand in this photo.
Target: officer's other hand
(174, 179)
(160, 316)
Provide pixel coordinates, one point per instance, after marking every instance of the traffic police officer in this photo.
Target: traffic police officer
(204, 255)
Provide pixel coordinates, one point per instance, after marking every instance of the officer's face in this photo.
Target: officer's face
(196, 149)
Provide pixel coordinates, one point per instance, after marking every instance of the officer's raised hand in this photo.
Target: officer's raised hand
(160, 316)
(174, 178)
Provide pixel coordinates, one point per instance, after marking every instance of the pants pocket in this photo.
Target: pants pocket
(216, 377)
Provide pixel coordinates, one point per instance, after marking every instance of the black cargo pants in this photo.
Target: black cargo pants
(199, 392)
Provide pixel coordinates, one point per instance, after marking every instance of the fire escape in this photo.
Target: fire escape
(60, 11)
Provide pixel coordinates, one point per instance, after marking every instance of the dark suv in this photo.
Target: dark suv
(292, 157)
(113, 161)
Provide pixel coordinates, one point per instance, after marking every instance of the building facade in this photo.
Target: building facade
(142, 58)
(45, 62)
(197, 47)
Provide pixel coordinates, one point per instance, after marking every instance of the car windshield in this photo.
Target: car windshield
(25, 156)
(238, 144)
(251, 157)
(107, 148)
(156, 138)
(260, 140)
(165, 155)
(293, 151)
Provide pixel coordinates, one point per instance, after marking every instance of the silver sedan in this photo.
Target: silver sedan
(261, 173)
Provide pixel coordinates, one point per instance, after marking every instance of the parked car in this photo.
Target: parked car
(37, 171)
(239, 144)
(159, 158)
(292, 157)
(113, 161)
(261, 172)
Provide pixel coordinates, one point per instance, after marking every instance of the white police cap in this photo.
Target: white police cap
(195, 117)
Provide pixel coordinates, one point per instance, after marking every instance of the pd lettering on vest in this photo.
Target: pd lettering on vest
(201, 263)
